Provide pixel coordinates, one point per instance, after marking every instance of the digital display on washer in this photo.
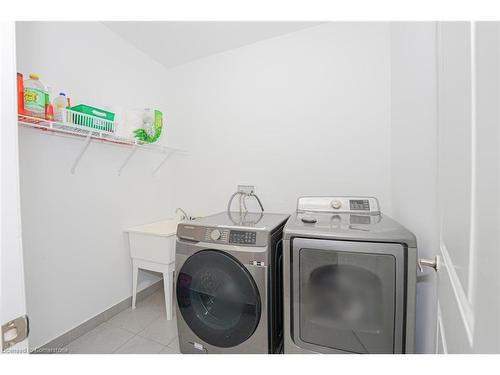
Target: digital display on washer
(242, 237)
(359, 205)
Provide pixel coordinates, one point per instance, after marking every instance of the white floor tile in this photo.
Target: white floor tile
(155, 301)
(135, 320)
(104, 339)
(140, 345)
(161, 330)
(169, 350)
(175, 344)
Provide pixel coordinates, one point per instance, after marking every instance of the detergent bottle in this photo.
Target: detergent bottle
(59, 104)
(35, 95)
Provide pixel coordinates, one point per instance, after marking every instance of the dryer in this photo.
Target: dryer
(228, 285)
(349, 278)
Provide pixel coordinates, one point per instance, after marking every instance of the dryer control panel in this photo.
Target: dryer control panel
(364, 205)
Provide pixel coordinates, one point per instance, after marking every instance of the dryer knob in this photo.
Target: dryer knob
(336, 204)
(215, 234)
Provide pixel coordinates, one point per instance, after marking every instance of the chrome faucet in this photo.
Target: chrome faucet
(184, 216)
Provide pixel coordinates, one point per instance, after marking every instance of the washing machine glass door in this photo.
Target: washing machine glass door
(347, 295)
(218, 298)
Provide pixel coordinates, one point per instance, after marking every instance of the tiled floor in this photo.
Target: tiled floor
(144, 330)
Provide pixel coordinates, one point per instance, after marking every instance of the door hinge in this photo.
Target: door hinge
(15, 331)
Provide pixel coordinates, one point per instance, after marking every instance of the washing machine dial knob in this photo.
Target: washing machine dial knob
(215, 234)
(336, 204)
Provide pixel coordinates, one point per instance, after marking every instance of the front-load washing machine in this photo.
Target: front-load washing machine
(229, 291)
(349, 278)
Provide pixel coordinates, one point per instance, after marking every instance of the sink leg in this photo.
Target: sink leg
(168, 281)
(135, 274)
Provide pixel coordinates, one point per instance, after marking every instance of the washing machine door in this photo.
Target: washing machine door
(218, 298)
(348, 296)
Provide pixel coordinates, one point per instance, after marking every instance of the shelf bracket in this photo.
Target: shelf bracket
(82, 151)
(167, 156)
(132, 152)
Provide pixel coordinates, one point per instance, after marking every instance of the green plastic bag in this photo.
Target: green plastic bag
(151, 129)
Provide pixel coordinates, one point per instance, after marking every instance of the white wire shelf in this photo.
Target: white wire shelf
(102, 133)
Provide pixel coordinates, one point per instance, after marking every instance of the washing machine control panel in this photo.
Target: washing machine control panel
(223, 235)
(229, 236)
(242, 237)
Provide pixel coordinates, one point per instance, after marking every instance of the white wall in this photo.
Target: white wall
(77, 264)
(304, 113)
(414, 155)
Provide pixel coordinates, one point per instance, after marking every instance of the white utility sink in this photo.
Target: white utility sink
(152, 247)
(154, 242)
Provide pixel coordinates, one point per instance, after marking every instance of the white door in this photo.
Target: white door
(12, 296)
(469, 190)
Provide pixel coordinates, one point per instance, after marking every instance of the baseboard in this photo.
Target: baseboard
(61, 341)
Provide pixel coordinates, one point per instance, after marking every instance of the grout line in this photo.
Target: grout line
(129, 330)
(147, 339)
(171, 347)
(148, 325)
(152, 339)
(172, 341)
(119, 347)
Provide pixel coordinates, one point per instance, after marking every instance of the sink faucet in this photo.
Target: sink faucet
(184, 216)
